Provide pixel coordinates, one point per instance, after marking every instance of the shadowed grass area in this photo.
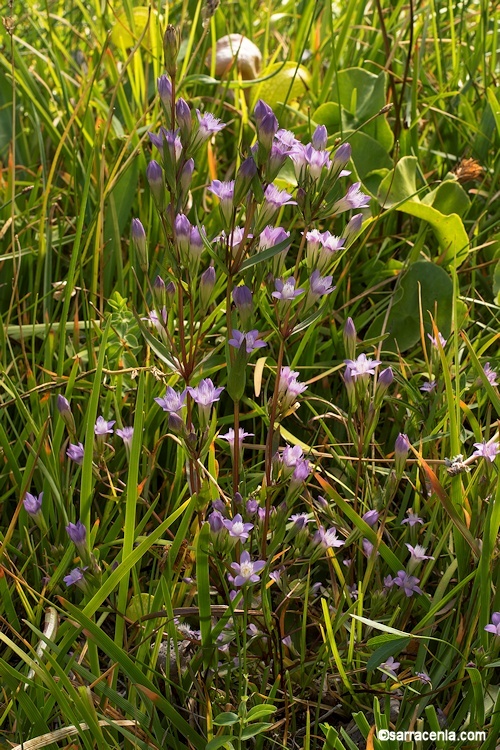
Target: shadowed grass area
(335, 573)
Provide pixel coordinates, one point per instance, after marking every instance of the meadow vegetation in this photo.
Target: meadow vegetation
(249, 405)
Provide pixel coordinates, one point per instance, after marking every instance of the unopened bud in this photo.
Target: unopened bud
(154, 174)
(207, 283)
(159, 292)
(244, 177)
(140, 244)
(171, 43)
(401, 450)
(350, 337)
(64, 410)
(186, 177)
(184, 122)
(320, 138)
(242, 298)
(352, 229)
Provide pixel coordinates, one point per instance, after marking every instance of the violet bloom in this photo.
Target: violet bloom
(205, 394)
(77, 532)
(216, 522)
(238, 530)
(33, 504)
(300, 521)
(301, 472)
(319, 286)
(487, 450)
(230, 437)
(490, 374)
(270, 237)
(389, 666)
(126, 435)
(494, 625)
(292, 456)
(433, 341)
(321, 249)
(289, 388)
(327, 539)
(412, 519)
(388, 582)
(274, 199)
(234, 239)
(424, 678)
(225, 193)
(354, 198)
(418, 553)
(208, 125)
(285, 290)
(428, 386)
(370, 517)
(251, 339)
(407, 583)
(75, 453)
(173, 401)
(76, 578)
(246, 571)
(102, 427)
(362, 366)
(368, 548)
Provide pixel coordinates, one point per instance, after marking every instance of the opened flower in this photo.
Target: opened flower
(246, 571)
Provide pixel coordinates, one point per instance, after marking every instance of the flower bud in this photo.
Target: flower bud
(207, 283)
(386, 378)
(244, 177)
(171, 43)
(350, 337)
(139, 241)
(165, 92)
(186, 177)
(242, 298)
(154, 174)
(159, 292)
(352, 229)
(401, 450)
(320, 138)
(184, 122)
(64, 410)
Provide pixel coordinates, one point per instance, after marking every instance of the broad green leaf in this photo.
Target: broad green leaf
(254, 729)
(261, 710)
(449, 198)
(287, 82)
(226, 719)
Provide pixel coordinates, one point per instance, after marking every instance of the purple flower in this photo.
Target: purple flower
(287, 138)
(229, 436)
(412, 519)
(488, 450)
(300, 520)
(207, 283)
(173, 402)
(321, 248)
(319, 286)
(418, 553)
(270, 237)
(407, 583)
(77, 533)
(289, 388)
(234, 239)
(327, 539)
(424, 678)
(361, 366)
(252, 506)
(33, 503)
(274, 199)
(354, 198)
(352, 229)
(301, 472)
(370, 517)
(251, 338)
(225, 193)
(64, 410)
(75, 578)
(494, 625)
(237, 528)
(292, 456)
(102, 427)
(433, 341)
(205, 393)
(428, 386)
(126, 435)
(388, 582)
(208, 125)
(246, 571)
(368, 548)
(285, 290)
(216, 521)
(75, 453)
(490, 374)
(154, 174)
(389, 666)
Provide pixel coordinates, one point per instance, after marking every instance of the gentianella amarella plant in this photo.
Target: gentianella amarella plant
(232, 280)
